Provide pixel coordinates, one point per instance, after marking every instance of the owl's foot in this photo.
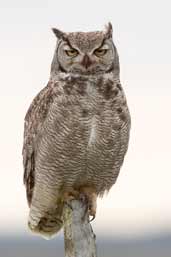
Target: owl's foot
(70, 195)
(92, 205)
(91, 197)
(86, 195)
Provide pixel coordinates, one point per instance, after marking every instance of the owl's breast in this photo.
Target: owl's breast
(85, 138)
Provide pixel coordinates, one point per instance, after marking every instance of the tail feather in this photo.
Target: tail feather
(47, 224)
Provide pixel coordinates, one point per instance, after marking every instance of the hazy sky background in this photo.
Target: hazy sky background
(140, 202)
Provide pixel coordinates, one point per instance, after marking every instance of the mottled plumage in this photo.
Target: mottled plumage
(76, 129)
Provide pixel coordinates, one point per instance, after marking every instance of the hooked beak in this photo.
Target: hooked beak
(86, 62)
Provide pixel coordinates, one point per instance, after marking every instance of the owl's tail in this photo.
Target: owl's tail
(47, 224)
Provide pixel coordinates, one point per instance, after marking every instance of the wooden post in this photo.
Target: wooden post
(78, 234)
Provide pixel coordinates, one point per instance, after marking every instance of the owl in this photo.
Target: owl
(76, 130)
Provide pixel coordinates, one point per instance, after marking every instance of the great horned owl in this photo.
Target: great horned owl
(76, 129)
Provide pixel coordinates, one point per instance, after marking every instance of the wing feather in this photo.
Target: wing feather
(34, 120)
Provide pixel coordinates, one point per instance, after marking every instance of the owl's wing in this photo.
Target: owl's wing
(34, 120)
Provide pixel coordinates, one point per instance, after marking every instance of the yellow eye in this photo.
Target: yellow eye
(100, 52)
(72, 52)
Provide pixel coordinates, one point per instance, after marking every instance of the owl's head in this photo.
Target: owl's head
(85, 52)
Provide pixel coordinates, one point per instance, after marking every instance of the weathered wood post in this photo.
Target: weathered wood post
(78, 234)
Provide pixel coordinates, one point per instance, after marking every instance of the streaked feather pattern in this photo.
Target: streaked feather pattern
(76, 132)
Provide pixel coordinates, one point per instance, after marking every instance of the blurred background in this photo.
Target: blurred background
(134, 219)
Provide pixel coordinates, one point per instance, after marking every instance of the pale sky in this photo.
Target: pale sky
(140, 202)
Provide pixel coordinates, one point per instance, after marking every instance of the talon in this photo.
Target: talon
(93, 217)
(89, 197)
(92, 212)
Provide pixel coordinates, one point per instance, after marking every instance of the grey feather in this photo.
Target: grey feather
(77, 128)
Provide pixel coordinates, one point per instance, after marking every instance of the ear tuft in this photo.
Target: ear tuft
(109, 30)
(58, 33)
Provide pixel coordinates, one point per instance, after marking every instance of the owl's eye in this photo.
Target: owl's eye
(100, 52)
(72, 52)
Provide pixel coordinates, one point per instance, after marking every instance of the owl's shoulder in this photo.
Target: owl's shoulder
(39, 107)
(39, 102)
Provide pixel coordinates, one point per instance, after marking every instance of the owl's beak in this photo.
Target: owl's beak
(86, 62)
